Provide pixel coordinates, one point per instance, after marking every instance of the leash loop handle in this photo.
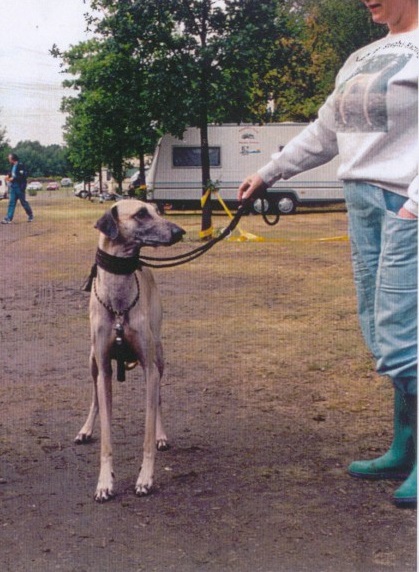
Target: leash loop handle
(264, 213)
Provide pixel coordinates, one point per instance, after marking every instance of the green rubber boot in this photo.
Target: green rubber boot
(406, 495)
(399, 460)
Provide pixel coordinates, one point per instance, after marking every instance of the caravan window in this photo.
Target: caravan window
(191, 156)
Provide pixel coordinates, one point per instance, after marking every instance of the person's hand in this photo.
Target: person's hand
(404, 213)
(251, 187)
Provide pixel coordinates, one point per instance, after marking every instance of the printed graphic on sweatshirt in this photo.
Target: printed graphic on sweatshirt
(360, 104)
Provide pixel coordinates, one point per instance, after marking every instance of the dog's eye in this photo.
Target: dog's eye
(143, 212)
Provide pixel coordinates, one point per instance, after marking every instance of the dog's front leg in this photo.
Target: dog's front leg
(105, 486)
(145, 479)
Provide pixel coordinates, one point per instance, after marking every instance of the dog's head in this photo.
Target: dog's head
(135, 224)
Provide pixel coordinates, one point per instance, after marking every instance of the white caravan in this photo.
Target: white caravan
(174, 177)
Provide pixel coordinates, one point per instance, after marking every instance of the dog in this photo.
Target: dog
(125, 320)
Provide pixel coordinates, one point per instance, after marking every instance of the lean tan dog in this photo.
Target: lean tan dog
(125, 319)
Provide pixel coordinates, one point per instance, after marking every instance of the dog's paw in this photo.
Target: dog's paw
(83, 438)
(104, 495)
(105, 485)
(143, 490)
(162, 445)
(144, 484)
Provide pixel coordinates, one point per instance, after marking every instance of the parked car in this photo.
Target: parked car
(81, 191)
(66, 182)
(34, 186)
(53, 186)
(109, 197)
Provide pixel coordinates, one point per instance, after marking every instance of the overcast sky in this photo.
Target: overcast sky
(30, 78)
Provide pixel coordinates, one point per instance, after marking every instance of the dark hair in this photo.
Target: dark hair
(13, 156)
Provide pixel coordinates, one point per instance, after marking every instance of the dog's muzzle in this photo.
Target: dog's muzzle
(177, 234)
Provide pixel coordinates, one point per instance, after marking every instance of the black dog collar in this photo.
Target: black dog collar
(113, 265)
(117, 264)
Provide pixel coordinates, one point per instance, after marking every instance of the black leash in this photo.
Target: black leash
(196, 252)
(129, 265)
(171, 261)
(118, 265)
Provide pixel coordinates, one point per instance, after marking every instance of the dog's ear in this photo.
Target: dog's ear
(108, 223)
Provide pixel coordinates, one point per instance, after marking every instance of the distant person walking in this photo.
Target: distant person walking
(17, 180)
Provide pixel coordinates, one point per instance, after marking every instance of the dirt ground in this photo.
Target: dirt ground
(268, 394)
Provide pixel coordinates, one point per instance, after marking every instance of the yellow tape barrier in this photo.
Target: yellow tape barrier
(244, 236)
(205, 197)
(206, 233)
(289, 240)
(334, 238)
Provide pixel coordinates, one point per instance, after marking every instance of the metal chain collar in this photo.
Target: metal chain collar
(118, 313)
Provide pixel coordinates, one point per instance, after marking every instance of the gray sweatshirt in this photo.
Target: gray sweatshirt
(370, 120)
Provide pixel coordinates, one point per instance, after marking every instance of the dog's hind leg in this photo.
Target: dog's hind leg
(86, 432)
(161, 436)
(145, 479)
(162, 442)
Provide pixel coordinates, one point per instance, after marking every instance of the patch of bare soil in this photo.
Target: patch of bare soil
(268, 394)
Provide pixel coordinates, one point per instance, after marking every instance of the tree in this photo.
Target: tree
(42, 161)
(108, 120)
(347, 26)
(199, 59)
(79, 133)
(325, 33)
(159, 67)
(89, 129)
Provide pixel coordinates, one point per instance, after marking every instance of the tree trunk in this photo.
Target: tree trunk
(206, 179)
(100, 179)
(206, 223)
(142, 168)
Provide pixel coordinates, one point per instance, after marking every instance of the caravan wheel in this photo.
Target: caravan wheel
(287, 205)
(261, 206)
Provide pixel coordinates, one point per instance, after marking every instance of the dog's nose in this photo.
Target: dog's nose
(177, 233)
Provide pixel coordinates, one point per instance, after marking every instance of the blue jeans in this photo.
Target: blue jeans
(16, 194)
(384, 255)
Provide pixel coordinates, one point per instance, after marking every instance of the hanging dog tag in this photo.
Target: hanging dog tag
(119, 329)
(119, 342)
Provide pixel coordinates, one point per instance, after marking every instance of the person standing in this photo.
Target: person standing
(371, 121)
(17, 189)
